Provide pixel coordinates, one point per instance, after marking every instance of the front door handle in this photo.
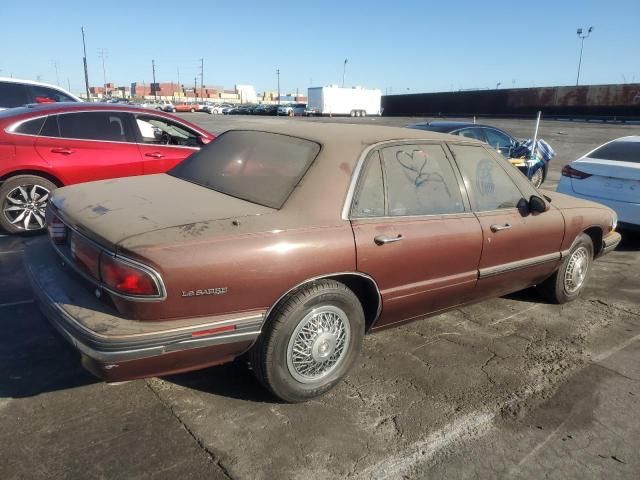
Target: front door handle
(62, 151)
(154, 155)
(497, 228)
(384, 239)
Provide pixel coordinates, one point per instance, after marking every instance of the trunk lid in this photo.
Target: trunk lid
(111, 211)
(610, 179)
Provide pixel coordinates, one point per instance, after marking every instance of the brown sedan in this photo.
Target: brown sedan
(290, 243)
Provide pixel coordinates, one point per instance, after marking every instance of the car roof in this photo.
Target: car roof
(450, 125)
(40, 84)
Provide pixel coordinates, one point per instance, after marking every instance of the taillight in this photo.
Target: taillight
(126, 278)
(85, 255)
(569, 171)
(57, 230)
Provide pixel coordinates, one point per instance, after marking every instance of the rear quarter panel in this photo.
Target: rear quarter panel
(256, 269)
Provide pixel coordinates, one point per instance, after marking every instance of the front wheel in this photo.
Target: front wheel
(24, 201)
(569, 280)
(311, 341)
(538, 177)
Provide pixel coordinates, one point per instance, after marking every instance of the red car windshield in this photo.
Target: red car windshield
(259, 167)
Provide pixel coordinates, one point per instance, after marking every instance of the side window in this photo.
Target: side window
(48, 95)
(369, 198)
(472, 132)
(105, 126)
(158, 130)
(30, 127)
(499, 141)
(50, 127)
(489, 185)
(420, 181)
(12, 95)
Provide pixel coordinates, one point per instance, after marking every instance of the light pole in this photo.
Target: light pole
(278, 75)
(498, 85)
(84, 59)
(344, 70)
(102, 53)
(201, 76)
(582, 35)
(153, 85)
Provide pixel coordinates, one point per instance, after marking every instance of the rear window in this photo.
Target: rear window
(259, 167)
(621, 151)
(12, 95)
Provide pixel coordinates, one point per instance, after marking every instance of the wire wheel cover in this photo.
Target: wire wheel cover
(576, 271)
(318, 344)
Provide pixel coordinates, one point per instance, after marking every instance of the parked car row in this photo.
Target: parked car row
(266, 109)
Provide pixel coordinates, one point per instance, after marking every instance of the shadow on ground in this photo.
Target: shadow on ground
(33, 358)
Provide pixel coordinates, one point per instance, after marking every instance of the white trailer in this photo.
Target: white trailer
(334, 100)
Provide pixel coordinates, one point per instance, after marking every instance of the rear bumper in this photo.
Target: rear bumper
(117, 348)
(610, 242)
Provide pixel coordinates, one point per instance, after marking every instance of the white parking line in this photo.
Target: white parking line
(12, 251)
(13, 304)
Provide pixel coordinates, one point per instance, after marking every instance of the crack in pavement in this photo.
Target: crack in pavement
(211, 454)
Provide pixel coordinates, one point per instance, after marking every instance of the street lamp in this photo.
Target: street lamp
(582, 35)
(344, 70)
(498, 85)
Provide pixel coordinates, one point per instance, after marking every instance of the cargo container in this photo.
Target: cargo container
(334, 100)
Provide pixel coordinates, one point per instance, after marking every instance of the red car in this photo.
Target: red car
(47, 146)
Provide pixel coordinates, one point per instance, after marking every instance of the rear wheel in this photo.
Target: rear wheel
(24, 200)
(353, 113)
(566, 284)
(363, 113)
(193, 110)
(311, 342)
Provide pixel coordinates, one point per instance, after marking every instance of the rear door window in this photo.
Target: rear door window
(369, 199)
(12, 95)
(488, 184)
(420, 181)
(499, 141)
(102, 126)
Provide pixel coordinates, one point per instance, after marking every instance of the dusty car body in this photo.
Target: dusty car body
(290, 243)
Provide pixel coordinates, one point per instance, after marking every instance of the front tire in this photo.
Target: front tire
(23, 199)
(538, 178)
(311, 341)
(569, 280)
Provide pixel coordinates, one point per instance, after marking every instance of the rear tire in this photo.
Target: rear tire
(311, 341)
(23, 201)
(353, 113)
(568, 281)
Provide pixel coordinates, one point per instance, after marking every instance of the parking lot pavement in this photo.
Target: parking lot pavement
(511, 387)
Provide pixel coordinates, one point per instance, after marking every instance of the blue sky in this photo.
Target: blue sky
(394, 46)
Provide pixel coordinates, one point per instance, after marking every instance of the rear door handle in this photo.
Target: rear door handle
(384, 239)
(62, 151)
(154, 155)
(497, 228)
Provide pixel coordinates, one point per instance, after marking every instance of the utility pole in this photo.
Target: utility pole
(68, 85)
(153, 85)
(84, 59)
(582, 36)
(278, 74)
(201, 76)
(344, 70)
(102, 54)
(195, 88)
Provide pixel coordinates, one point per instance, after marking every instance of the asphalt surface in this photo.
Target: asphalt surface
(508, 388)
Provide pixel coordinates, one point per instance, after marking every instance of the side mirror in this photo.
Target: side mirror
(537, 204)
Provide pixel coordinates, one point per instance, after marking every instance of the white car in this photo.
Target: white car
(167, 106)
(610, 175)
(292, 109)
(15, 93)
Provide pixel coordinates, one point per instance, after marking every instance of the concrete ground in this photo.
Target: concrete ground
(512, 387)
